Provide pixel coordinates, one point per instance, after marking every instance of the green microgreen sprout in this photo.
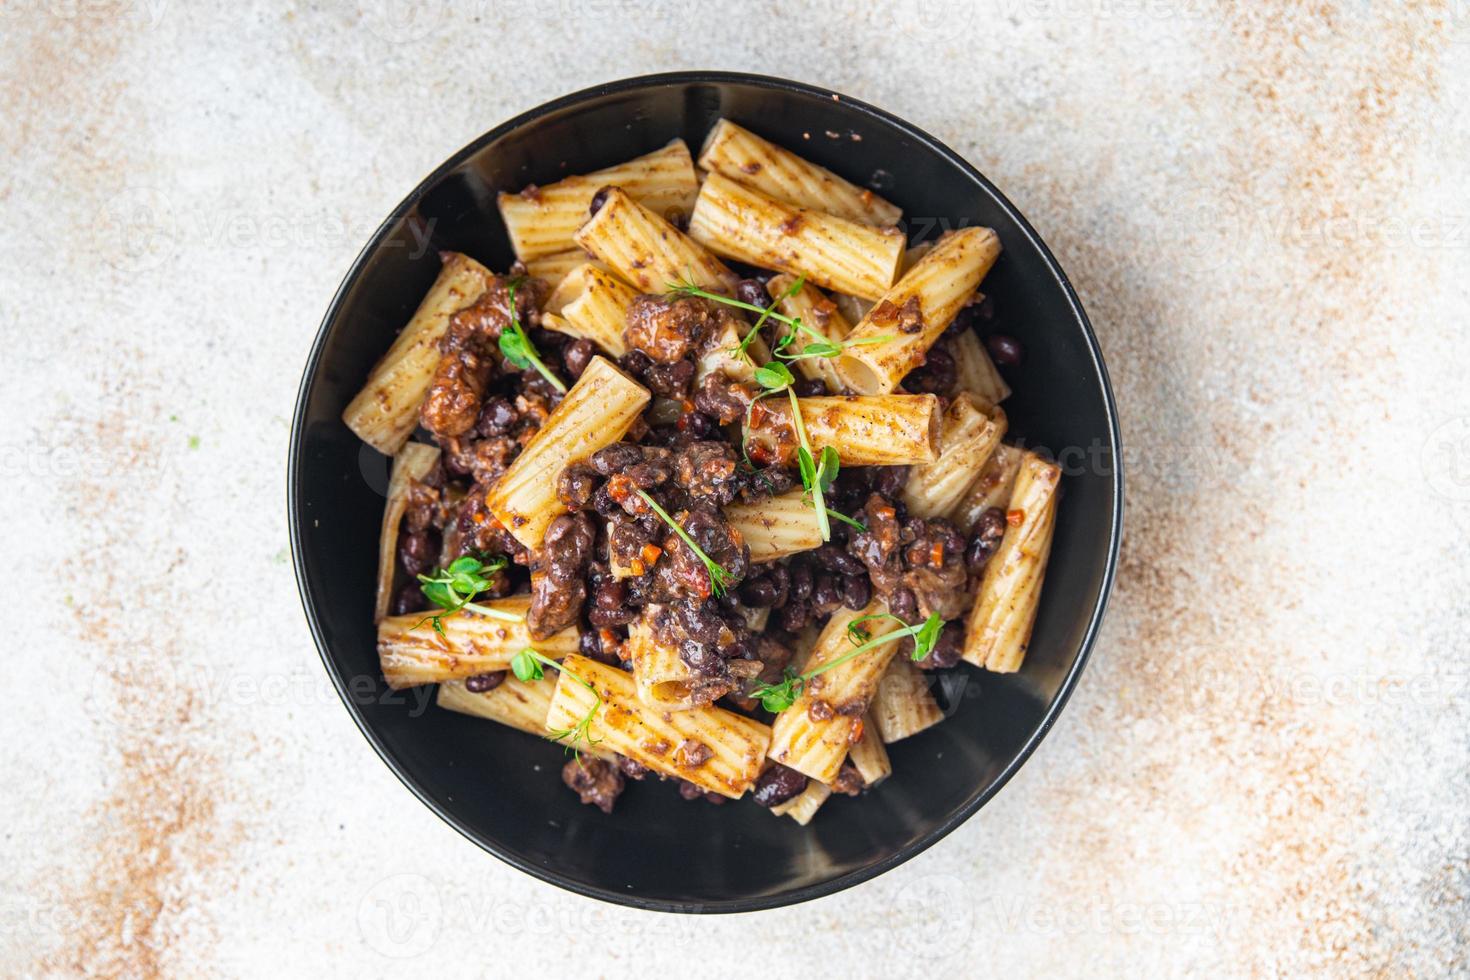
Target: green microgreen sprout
(776, 698)
(719, 578)
(519, 350)
(454, 588)
(527, 666)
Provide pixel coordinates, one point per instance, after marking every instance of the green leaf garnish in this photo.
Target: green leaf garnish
(454, 588)
(689, 288)
(807, 465)
(719, 578)
(527, 666)
(519, 350)
(776, 698)
(774, 376)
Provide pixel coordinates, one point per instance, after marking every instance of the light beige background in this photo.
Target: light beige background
(1267, 215)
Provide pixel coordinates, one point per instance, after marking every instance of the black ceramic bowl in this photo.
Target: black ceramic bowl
(501, 788)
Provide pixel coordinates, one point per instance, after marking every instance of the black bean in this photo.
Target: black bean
(903, 605)
(759, 593)
(497, 415)
(576, 485)
(801, 581)
(697, 424)
(752, 291)
(577, 355)
(834, 558)
(826, 593)
(1005, 350)
(794, 615)
(598, 200)
(777, 785)
(409, 598)
(481, 683)
(857, 591)
(418, 551)
(984, 539)
(616, 458)
(889, 480)
(650, 473)
(809, 387)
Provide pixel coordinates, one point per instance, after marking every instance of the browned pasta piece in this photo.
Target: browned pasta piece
(814, 735)
(716, 750)
(595, 413)
(413, 463)
(999, 628)
(741, 155)
(992, 488)
(386, 410)
(592, 303)
(783, 525)
(411, 651)
(867, 430)
(913, 314)
(817, 313)
(513, 703)
(555, 267)
(903, 705)
(739, 223)
(975, 371)
(647, 251)
(968, 438)
(541, 221)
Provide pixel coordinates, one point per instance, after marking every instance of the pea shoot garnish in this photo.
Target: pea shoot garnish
(519, 350)
(816, 474)
(776, 698)
(527, 666)
(818, 346)
(719, 578)
(454, 588)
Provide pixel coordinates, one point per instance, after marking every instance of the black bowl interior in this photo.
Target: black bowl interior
(502, 788)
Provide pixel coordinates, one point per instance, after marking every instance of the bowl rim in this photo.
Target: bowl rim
(551, 875)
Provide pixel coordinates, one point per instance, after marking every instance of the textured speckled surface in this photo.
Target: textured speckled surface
(1266, 768)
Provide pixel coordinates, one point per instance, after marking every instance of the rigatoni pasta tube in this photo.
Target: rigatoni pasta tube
(663, 679)
(868, 756)
(542, 220)
(514, 703)
(999, 628)
(968, 437)
(815, 743)
(975, 372)
(721, 355)
(817, 313)
(411, 651)
(804, 805)
(555, 267)
(412, 464)
(595, 413)
(741, 155)
(783, 525)
(915, 312)
(903, 704)
(743, 224)
(716, 750)
(992, 488)
(595, 305)
(647, 251)
(869, 430)
(386, 411)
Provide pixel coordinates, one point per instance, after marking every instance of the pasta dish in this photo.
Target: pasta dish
(710, 483)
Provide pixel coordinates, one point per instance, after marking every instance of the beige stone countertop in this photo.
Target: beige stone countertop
(1266, 212)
